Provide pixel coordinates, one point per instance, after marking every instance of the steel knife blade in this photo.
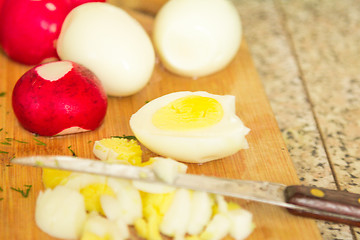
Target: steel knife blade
(320, 203)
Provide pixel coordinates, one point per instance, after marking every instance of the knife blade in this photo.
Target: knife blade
(320, 203)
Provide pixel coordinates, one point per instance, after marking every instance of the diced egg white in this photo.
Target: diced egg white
(217, 228)
(241, 223)
(60, 212)
(175, 221)
(98, 227)
(201, 211)
(126, 205)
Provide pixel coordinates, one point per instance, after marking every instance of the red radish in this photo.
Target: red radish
(59, 98)
(29, 29)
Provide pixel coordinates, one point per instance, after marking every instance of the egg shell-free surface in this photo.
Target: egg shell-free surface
(197, 37)
(49, 107)
(110, 43)
(198, 145)
(266, 159)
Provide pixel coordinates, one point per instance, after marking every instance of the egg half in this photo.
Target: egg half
(193, 127)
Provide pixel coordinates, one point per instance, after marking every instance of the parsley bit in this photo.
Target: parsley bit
(1, 189)
(126, 137)
(24, 193)
(39, 142)
(72, 152)
(2, 94)
(1, 199)
(4, 152)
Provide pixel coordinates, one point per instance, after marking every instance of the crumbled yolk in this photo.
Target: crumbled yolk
(128, 150)
(92, 194)
(155, 207)
(53, 177)
(188, 113)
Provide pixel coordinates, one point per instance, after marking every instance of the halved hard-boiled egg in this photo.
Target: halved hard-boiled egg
(190, 126)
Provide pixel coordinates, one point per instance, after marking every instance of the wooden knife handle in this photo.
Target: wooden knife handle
(325, 204)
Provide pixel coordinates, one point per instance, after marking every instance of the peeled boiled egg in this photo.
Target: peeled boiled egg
(197, 37)
(190, 126)
(110, 43)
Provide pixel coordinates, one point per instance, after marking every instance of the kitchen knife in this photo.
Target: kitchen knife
(320, 203)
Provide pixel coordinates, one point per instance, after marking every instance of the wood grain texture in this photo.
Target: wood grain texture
(266, 159)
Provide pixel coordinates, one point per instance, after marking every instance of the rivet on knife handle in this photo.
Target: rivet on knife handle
(344, 207)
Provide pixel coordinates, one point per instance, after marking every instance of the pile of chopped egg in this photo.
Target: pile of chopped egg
(91, 207)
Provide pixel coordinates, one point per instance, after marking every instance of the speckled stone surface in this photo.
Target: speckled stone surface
(307, 55)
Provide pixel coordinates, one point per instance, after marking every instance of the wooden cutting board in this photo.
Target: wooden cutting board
(267, 158)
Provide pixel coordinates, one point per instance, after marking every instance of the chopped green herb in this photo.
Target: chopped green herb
(1, 129)
(5, 143)
(126, 137)
(1, 189)
(8, 165)
(24, 193)
(147, 101)
(39, 142)
(4, 152)
(1, 199)
(2, 94)
(19, 141)
(90, 141)
(72, 152)
(11, 140)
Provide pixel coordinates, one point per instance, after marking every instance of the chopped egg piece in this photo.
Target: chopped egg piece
(174, 223)
(97, 227)
(201, 211)
(217, 228)
(60, 212)
(241, 223)
(166, 169)
(155, 207)
(128, 206)
(53, 177)
(118, 150)
(92, 194)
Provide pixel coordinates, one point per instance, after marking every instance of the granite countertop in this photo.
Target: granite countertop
(307, 54)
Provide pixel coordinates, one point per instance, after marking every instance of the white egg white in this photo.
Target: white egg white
(60, 212)
(197, 146)
(197, 37)
(111, 43)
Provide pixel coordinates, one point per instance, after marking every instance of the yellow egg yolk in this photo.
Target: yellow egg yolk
(154, 209)
(92, 194)
(188, 113)
(53, 177)
(126, 150)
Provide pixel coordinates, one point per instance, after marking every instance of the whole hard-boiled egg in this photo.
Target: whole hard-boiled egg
(110, 43)
(190, 126)
(197, 37)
